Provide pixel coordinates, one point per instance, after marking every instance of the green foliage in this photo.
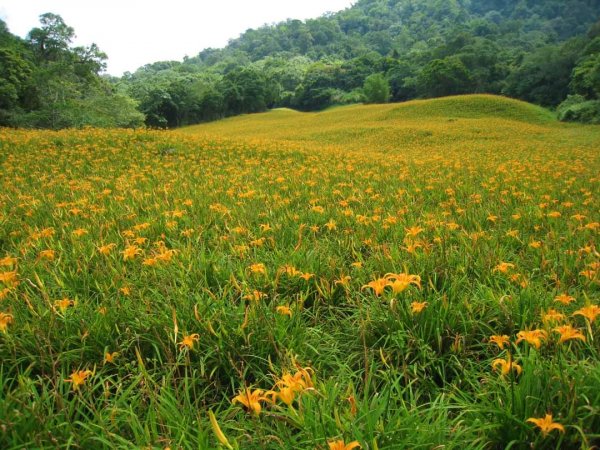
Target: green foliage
(400, 77)
(244, 91)
(317, 88)
(430, 173)
(544, 75)
(442, 77)
(585, 79)
(46, 83)
(15, 73)
(51, 41)
(376, 89)
(577, 109)
(102, 110)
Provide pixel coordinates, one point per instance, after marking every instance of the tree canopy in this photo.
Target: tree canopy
(47, 83)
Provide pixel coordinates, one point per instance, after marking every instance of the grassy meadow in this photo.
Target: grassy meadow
(420, 275)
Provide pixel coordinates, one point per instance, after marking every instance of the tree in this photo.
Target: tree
(46, 83)
(376, 89)
(51, 41)
(317, 88)
(399, 75)
(544, 75)
(244, 91)
(448, 76)
(15, 76)
(585, 79)
(352, 74)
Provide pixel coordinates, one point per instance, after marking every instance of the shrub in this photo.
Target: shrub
(577, 109)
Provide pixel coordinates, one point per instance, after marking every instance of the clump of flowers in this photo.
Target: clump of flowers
(286, 389)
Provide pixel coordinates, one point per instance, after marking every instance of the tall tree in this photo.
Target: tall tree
(376, 89)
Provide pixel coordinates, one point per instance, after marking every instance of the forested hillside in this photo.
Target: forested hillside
(543, 51)
(537, 50)
(47, 83)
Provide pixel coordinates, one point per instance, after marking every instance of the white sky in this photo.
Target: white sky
(137, 32)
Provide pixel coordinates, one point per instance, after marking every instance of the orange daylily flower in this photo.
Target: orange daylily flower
(343, 280)
(80, 232)
(552, 316)
(341, 445)
(64, 304)
(546, 424)
(299, 381)
(306, 276)
(78, 378)
(110, 357)
(500, 341)
(106, 249)
(506, 366)
(48, 254)
(565, 299)
(8, 261)
(5, 320)
(258, 268)
(417, 307)
(125, 290)
(503, 267)
(8, 278)
(255, 296)
(414, 230)
(533, 337)
(251, 399)
(567, 332)
(284, 310)
(590, 312)
(131, 252)
(188, 341)
(378, 285)
(401, 281)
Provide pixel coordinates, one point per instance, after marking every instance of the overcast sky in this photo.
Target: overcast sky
(136, 32)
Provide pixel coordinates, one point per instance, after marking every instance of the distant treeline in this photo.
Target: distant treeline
(543, 51)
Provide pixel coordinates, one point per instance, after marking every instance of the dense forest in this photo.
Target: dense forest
(543, 51)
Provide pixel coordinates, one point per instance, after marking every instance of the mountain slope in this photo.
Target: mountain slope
(403, 26)
(534, 50)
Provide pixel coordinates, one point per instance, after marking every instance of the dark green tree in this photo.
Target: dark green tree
(15, 75)
(244, 91)
(544, 76)
(441, 77)
(317, 88)
(399, 76)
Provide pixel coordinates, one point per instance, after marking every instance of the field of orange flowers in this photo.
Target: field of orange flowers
(171, 290)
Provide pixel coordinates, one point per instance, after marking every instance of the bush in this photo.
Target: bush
(347, 98)
(577, 109)
(376, 89)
